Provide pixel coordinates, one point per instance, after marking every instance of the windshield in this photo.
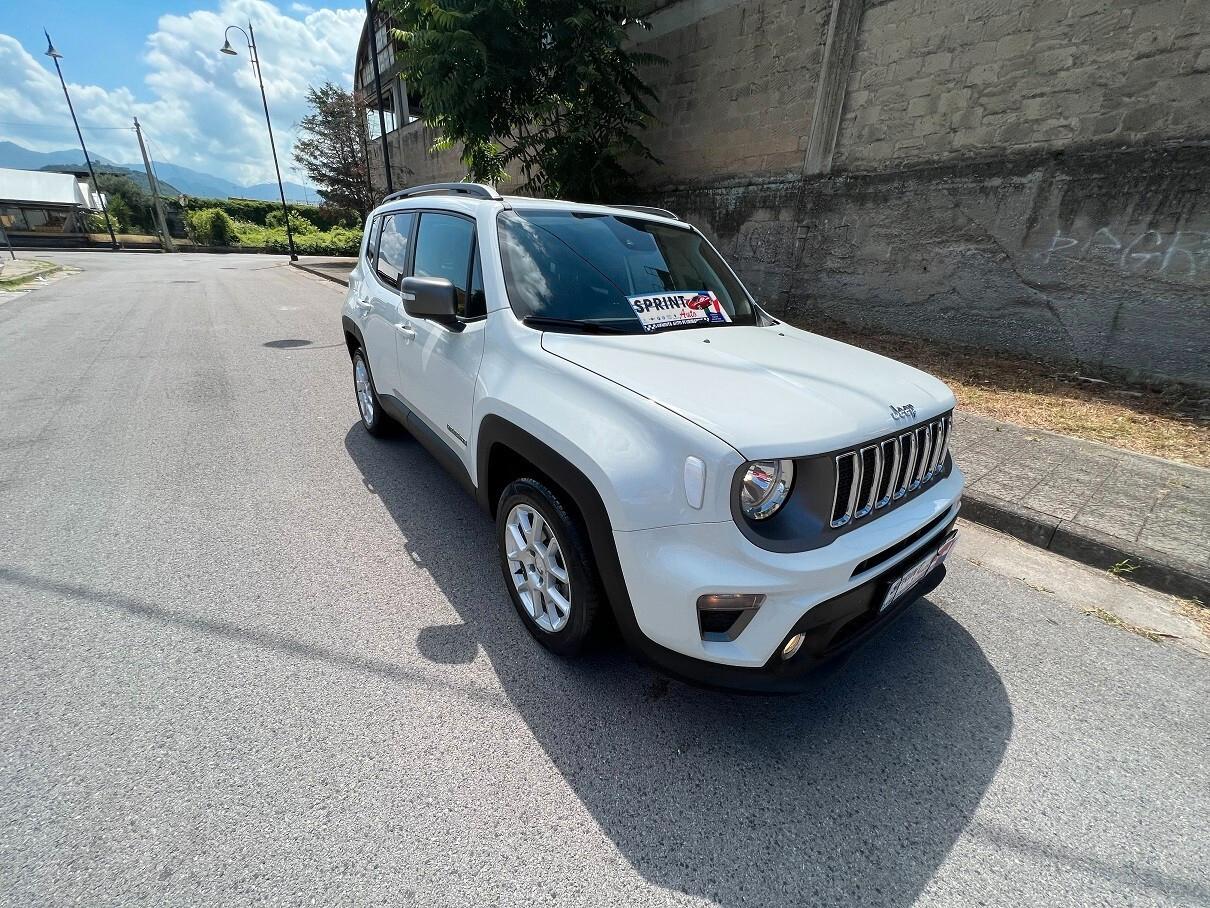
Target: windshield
(625, 274)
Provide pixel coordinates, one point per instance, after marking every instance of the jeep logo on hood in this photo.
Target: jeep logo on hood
(907, 411)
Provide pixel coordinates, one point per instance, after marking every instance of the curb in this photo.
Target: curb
(318, 272)
(10, 283)
(1156, 570)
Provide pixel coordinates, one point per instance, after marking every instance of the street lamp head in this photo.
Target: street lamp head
(228, 49)
(50, 48)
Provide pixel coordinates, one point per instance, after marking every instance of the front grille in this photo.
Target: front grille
(871, 477)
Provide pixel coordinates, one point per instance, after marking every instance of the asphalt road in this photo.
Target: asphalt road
(251, 655)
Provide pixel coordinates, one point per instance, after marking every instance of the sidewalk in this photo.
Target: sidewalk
(13, 272)
(334, 269)
(1096, 504)
(1093, 503)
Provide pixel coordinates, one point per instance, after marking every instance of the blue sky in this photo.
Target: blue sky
(159, 61)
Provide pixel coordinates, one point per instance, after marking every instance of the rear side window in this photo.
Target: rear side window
(443, 249)
(372, 243)
(392, 260)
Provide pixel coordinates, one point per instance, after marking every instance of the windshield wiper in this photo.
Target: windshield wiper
(588, 327)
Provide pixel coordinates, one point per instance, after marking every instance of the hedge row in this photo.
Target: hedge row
(325, 217)
(214, 227)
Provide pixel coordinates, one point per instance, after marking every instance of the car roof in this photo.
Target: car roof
(469, 205)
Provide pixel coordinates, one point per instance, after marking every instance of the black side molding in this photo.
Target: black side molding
(495, 430)
(429, 437)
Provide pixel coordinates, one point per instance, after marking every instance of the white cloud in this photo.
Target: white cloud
(201, 109)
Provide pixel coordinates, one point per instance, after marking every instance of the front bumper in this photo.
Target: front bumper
(826, 593)
(834, 630)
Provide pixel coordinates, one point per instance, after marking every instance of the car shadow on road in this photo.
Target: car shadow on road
(852, 794)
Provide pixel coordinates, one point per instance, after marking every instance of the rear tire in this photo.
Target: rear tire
(547, 566)
(373, 417)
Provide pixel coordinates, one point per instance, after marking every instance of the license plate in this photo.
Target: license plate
(917, 572)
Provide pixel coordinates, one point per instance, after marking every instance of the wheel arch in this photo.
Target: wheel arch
(506, 451)
(353, 338)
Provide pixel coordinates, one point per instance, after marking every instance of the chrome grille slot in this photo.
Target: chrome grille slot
(941, 437)
(909, 444)
(924, 438)
(873, 476)
(846, 488)
(890, 472)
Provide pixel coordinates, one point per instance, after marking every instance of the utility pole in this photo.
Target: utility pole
(56, 56)
(165, 238)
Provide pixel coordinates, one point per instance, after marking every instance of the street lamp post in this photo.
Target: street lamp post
(250, 37)
(56, 56)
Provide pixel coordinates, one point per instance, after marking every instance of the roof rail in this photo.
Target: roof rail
(478, 190)
(648, 209)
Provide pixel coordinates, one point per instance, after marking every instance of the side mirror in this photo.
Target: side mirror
(430, 297)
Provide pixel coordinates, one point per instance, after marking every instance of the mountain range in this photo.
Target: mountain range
(188, 181)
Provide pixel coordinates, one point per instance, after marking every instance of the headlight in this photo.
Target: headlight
(765, 487)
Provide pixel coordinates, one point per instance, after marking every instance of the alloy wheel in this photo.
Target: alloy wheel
(538, 568)
(365, 391)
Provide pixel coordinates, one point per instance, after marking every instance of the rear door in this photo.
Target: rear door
(381, 305)
(439, 364)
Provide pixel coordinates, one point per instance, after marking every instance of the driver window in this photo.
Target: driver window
(443, 249)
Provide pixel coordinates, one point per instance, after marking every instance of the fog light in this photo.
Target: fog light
(792, 646)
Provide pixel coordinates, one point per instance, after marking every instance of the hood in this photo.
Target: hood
(768, 392)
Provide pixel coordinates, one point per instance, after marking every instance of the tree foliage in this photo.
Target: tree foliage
(128, 203)
(333, 147)
(257, 211)
(211, 227)
(546, 85)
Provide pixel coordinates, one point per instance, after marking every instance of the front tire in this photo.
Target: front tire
(373, 417)
(547, 566)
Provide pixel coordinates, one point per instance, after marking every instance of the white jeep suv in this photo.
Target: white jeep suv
(747, 500)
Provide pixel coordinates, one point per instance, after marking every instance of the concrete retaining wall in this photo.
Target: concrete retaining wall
(1099, 259)
(1025, 175)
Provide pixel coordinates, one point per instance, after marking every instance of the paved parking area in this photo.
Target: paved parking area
(251, 655)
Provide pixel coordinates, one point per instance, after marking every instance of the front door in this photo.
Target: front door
(379, 300)
(438, 364)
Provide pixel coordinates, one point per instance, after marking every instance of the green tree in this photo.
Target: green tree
(299, 223)
(332, 148)
(211, 227)
(547, 85)
(129, 205)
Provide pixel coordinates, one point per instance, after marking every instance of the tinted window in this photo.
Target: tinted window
(571, 265)
(372, 243)
(443, 249)
(476, 304)
(392, 259)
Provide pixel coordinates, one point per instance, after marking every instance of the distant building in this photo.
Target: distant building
(409, 139)
(35, 203)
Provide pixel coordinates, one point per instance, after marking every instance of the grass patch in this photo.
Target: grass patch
(1172, 422)
(1114, 621)
(1197, 611)
(1124, 568)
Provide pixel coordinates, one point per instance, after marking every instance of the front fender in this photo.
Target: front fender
(629, 448)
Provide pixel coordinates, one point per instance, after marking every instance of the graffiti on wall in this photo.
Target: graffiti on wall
(1180, 254)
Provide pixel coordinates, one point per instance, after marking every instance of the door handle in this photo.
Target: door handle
(362, 303)
(406, 330)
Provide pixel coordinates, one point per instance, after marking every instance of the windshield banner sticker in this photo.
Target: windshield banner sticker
(678, 307)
